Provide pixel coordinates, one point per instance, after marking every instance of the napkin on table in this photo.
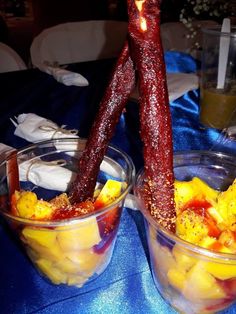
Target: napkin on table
(34, 128)
(178, 84)
(64, 76)
(181, 83)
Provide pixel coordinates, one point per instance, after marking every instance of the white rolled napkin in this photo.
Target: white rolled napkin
(64, 76)
(49, 175)
(34, 128)
(178, 84)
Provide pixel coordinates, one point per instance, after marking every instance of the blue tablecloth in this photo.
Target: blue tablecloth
(126, 286)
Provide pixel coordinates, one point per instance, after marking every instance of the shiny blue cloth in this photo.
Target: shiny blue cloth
(126, 286)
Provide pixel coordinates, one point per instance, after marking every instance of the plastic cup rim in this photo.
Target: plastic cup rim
(74, 221)
(216, 31)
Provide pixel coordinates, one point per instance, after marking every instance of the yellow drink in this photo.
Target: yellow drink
(218, 108)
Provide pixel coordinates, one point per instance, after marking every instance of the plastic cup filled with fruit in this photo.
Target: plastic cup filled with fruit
(68, 243)
(195, 269)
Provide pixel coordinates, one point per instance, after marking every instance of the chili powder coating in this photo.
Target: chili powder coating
(111, 106)
(155, 118)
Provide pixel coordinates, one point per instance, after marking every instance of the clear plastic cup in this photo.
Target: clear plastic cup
(190, 278)
(218, 96)
(70, 251)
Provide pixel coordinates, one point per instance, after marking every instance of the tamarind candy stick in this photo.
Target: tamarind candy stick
(111, 106)
(12, 171)
(155, 118)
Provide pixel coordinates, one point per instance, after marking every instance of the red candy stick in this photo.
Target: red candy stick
(111, 106)
(155, 119)
(156, 133)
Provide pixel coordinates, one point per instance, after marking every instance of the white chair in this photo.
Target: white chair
(78, 41)
(10, 60)
(174, 36)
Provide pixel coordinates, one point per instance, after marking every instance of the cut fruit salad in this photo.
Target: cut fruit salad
(207, 219)
(69, 253)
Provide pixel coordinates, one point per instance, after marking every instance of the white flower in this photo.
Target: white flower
(202, 9)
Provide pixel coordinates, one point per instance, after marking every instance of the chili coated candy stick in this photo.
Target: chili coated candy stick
(155, 119)
(111, 106)
(12, 171)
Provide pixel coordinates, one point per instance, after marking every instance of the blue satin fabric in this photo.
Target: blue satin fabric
(126, 286)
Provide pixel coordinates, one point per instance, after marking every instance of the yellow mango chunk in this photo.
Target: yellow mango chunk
(110, 191)
(207, 242)
(43, 242)
(26, 204)
(44, 237)
(219, 270)
(214, 245)
(87, 261)
(209, 193)
(227, 238)
(200, 284)
(76, 280)
(191, 227)
(43, 210)
(184, 192)
(226, 205)
(184, 260)
(67, 266)
(216, 216)
(84, 235)
(51, 272)
(176, 278)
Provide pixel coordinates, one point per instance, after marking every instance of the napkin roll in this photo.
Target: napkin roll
(64, 76)
(34, 128)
